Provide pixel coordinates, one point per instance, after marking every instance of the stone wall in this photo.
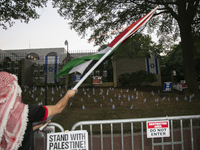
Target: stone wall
(121, 66)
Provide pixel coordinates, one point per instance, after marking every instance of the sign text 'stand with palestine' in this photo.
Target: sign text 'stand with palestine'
(72, 140)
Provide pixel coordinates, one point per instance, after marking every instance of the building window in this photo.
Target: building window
(52, 54)
(6, 59)
(33, 56)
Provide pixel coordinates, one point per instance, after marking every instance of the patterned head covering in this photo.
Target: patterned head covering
(13, 113)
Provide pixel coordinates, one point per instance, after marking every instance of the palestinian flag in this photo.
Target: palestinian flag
(80, 64)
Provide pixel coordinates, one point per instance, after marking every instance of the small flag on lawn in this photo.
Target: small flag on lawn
(176, 98)
(185, 98)
(124, 96)
(52, 92)
(83, 107)
(70, 104)
(113, 106)
(129, 98)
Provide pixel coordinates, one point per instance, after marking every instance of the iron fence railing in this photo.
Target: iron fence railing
(132, 122)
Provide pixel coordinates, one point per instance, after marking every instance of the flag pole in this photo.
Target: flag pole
(106, 54)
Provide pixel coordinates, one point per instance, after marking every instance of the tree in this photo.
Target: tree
(173, 60)
(23, 10)
(174, 17)
(138, 46)
(197, 55)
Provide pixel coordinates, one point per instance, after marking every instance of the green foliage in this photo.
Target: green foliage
(137, 78)
(138, 46)
(173, 60)
(197, 68)
(22, 10)
(197, 55)
(99, 16)
(108, 15)
(124, 79)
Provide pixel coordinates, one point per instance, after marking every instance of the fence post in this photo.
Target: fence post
(45, 89)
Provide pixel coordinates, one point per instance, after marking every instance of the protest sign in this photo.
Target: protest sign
(167, 86)
(97, 79)
(77, 78)
(157, 129)
(72, 140)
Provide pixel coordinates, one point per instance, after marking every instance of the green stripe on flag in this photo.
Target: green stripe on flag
(77, 61)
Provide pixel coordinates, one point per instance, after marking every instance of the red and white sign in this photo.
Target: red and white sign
(157, 129)
(97, 79)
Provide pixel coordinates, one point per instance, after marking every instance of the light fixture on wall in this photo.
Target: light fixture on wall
(67, 44)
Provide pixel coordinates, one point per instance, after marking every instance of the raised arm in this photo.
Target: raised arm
(58, 108)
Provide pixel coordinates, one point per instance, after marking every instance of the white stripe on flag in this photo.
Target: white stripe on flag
(81, 68)
(152, 65)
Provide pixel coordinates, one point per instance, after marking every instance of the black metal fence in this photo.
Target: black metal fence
(79, 53)
(14, 63)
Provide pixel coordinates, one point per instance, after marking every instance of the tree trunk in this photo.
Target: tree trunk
(188, 56)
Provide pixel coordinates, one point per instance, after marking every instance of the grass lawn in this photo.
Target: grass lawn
(135, 102)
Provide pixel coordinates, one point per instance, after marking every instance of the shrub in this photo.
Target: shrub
(124, 79)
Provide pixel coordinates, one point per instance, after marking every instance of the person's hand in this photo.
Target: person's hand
(71, 93)
(43, 124)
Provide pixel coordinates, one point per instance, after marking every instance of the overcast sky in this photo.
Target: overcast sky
(49, 31)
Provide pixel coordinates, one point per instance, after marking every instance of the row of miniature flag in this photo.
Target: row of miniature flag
(101, 93)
